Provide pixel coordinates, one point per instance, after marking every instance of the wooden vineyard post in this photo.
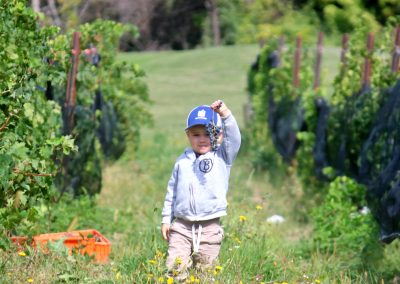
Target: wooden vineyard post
(366, 78)
(296, 68)
(317, 70)
(345, 47)
(69, 106)
(70, 100)
(396, 51)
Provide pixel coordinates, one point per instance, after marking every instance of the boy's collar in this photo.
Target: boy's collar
(190, 152)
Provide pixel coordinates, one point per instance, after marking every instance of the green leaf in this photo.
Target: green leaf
(22, 197)
(5, 164)
(19, 150)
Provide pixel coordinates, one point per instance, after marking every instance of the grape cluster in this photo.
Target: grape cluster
(213, 132)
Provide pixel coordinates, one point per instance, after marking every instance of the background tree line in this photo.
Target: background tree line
(184, 24)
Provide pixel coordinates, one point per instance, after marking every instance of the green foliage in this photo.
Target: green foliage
(265, 19)
(386, 9)
(119, 81)
(390, 263)
(230, 15)
(30, 141)
(341, 16)
(32, 149)
(265, 84)
(68, 12)
(121, 111)
(341, 229)
(353, 109)
(260, 143)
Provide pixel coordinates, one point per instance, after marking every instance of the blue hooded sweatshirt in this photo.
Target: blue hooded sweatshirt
(198, 185)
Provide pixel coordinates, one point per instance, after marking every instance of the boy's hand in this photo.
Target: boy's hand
(165, 231)
(219, 107)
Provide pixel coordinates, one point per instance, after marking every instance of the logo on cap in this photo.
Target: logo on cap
(201, 114)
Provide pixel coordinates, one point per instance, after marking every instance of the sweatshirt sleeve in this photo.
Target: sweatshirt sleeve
(232, 139)
(168, 209)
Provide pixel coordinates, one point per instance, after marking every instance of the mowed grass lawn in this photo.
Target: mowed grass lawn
(179, 81)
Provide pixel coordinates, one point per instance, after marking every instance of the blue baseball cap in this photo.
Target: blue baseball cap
(202, 115)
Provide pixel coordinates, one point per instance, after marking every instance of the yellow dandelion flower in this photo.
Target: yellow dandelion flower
(242, 218)
(178, 260)
(30, 280)
(317, 281)
(170, 280)
(118, 276)
(21, 253)
(159, 254)
(192, 279)
(161, 279)
(152, 261)
(259, 207)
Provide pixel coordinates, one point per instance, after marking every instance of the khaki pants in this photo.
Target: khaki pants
(183, 241)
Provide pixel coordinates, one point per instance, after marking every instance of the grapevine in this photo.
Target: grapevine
(34, 64)
(30, 140)
(350, 133)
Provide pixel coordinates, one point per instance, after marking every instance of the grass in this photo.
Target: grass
(178, 81)
(128, 209)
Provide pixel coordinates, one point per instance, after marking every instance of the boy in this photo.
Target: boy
(196, 192)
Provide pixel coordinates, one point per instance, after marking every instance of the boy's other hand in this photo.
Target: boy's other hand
(219, 107)
(165, 231)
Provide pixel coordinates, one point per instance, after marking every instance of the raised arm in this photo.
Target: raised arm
(232, 138)
(219, 107)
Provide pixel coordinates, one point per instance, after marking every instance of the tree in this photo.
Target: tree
(214, 19)
(36, 5)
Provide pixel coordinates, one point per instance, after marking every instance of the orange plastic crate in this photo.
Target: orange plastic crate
(20, 242)
(89, 242)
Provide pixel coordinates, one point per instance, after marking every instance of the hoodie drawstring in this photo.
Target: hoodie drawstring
(196, 242)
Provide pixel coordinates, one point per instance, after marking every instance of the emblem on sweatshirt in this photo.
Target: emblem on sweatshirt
(206, 165)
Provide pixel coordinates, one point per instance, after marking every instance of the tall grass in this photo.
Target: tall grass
(128, 209)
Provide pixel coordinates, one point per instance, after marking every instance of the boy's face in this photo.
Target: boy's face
(199, 139)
